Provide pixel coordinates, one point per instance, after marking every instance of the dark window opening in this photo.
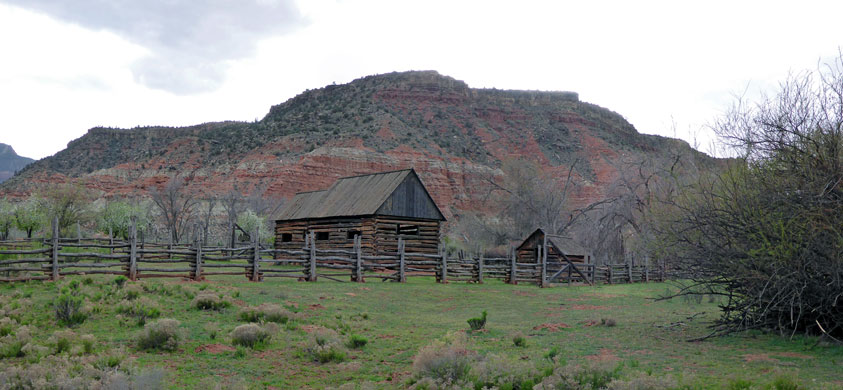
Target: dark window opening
(286, 237)
(323, 236)
(407, 230)
(351, 234)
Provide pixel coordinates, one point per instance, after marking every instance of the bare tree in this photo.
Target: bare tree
(233, 204)
(176, 204)
(766, 233)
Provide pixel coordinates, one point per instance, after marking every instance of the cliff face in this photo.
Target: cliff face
(10, 162)
(453, 135)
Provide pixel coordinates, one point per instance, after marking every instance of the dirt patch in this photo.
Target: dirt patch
(758, 357)
(214, 348)
(292, 304)
(351, 294)
(602, 295)
(239, 302)
(386, 336)
(315, 306)
(588, 307)
(525, 294)
(552, 327)
(449, 308)
(311, 328)
(794, 355)
(604, 355)
(591, 323)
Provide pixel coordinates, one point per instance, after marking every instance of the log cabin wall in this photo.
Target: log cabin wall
(379, 234)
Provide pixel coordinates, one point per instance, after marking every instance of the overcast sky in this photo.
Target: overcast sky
(668, 67)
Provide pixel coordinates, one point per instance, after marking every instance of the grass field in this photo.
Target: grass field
(648, 338)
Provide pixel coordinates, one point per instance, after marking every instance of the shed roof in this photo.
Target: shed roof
(566, 245)
(349, 196)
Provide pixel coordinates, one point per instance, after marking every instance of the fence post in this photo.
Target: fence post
(256, 258)
(55, 243)
(133, 250)
(402, 276)
(512, 266)
(358, 263)
(629, 271)
(311, 277)
(78, 233)
(542, 260)
(197, 273)
(443, 277)
(609, 273)
(111, 240)
(480, 268)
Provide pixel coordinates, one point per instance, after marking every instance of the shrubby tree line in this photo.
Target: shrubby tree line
(172, 213)
(763, 229)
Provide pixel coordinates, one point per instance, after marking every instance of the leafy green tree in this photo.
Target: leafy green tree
(7, 218)
(29, 217)
(70, 203)
(249, 221)
(116, 217)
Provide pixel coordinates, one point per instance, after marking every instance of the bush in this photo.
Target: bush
(163, 334)
(120, 281)
(12, 345)
(249, 335)
(608, 322)
(499, 372)
(209, 301)
(68, 309)
(324, 346)
(356, 341)
(519, 340)
(644, 382)
(444, 362)
(141, 309)
(477, 323)
(61, 341)
(579, 377)
(269, 312)
(63, 372)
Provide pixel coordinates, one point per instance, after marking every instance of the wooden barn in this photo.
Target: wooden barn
(379, 208)
(558, 247)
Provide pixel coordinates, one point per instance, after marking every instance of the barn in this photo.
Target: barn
(379, 207)
(555, 256)
(558, 248)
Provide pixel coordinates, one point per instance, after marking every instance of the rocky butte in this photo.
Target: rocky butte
(454, 136)
(10, 162)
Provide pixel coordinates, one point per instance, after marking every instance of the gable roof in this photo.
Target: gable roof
(351, 196)
(565, 245)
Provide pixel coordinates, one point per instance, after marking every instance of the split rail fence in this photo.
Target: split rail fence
(53, 258)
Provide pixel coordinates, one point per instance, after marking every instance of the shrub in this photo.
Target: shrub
(444, 363)
(12, 345)
(249, 335)
(519, 340)
(163, 334)
(7, 325)
(608, 322)
(120, 281)
(141, 309)
(68, 309)
(356, 341)
(62, 340)
(269, 312)
(478, 322)
(579, 377)
(499, 372)
(324, 346)
(88, 343)
(209, 301)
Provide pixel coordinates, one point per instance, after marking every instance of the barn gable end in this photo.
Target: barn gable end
(410, 199)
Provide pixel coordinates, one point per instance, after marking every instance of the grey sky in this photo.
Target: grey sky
(669, 67)
(188, 41)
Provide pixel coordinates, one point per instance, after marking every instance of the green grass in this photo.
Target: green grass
(398, 319)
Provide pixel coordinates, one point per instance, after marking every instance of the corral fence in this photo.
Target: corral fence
(50, 259)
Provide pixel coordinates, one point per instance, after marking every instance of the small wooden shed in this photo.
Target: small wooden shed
(558, 247)
(379, 207)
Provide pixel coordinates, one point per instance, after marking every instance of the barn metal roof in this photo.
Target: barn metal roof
(348, 196)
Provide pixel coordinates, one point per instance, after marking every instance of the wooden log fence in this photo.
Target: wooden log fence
(55, 257)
